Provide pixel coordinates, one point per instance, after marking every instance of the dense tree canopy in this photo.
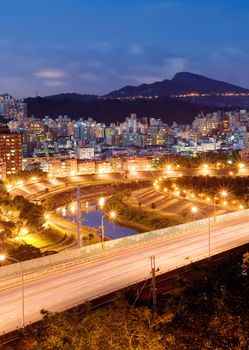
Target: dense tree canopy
(209, 311)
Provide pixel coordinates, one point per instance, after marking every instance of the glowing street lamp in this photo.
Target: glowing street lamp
(3, 257)
(9, 187)
(46, 216)
(224, 193)
(112, 215)
(102, 202)
(72, 208)
(194, 209)
(24, 231)
(34, 178)
(241, 165)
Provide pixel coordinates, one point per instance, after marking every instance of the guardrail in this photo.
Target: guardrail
(184, 263)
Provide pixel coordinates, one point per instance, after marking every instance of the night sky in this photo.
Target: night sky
(95, 46)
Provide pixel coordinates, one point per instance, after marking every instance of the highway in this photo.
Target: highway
(115, 270)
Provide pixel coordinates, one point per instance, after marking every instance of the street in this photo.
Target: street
(120, 268)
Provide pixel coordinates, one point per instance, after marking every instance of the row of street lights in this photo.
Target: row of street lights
(3, 257)
(112, 215)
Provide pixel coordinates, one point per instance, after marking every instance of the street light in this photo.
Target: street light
(224, 193)
(102, 202)
(24, 231)
(241, 165)
(3, 258)
(72, 208)
(9, 187)
(34, 178)
(111, 215)
(47, 216)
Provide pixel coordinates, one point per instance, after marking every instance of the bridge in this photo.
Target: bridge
(68, 278)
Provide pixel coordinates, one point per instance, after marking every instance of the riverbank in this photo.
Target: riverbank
(139, 218)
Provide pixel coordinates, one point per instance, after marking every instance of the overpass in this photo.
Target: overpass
(53, 186)
(65, 279)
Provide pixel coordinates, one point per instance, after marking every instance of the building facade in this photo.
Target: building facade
(11, 150)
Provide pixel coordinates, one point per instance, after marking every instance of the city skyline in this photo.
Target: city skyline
(67, 46)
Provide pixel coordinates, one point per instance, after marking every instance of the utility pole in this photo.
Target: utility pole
(78, 218)
(153, 274)
(209, 234)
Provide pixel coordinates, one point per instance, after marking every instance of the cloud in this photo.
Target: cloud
(135, 49)
(48, 73)
(175, 65)
(54, 83)
(139, 79)
(228, 53)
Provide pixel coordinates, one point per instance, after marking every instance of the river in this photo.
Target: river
(91, 216)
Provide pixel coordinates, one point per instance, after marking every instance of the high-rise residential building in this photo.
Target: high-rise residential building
(11, 150)
(2, 170)
(85, 152)
(12, 108)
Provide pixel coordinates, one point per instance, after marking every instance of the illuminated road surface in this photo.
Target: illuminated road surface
(35, 190)
(62, 289)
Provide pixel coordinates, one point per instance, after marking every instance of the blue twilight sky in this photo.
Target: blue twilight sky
(95, 46)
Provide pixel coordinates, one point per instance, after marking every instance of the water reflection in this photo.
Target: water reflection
(91, 216)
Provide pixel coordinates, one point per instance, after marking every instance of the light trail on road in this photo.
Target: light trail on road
(76, 284)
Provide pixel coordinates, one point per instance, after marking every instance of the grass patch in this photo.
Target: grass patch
(140, 218)
(132, 202)
(43, 239)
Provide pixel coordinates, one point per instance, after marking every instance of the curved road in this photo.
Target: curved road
(119, 268)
